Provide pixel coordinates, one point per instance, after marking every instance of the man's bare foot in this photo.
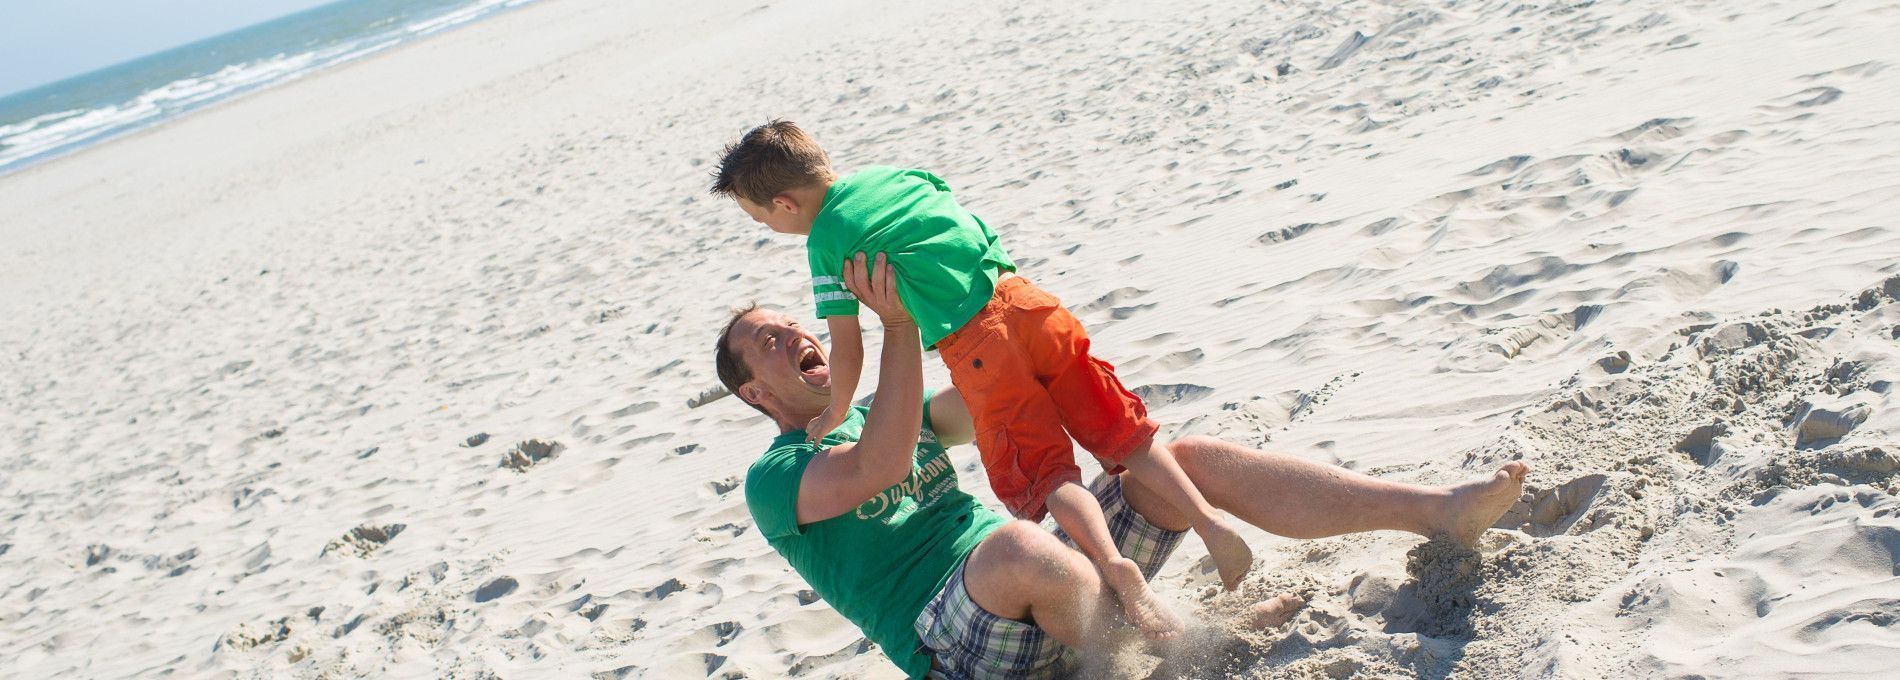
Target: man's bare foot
(1139, 603)
(1273, 612)
(1475, 506)
(1231, 555)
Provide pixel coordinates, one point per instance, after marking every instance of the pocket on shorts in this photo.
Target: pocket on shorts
(1002, 462)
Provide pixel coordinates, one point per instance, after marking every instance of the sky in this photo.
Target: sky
(43, 41)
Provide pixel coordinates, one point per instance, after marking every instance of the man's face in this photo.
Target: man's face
(788, 364)
(776, 217)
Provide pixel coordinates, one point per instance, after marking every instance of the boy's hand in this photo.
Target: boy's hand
(822, 425)
(876, 287)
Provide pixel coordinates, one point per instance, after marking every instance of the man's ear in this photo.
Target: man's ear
(752, 393)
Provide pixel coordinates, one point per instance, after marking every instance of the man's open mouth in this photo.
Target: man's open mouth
(812, 366)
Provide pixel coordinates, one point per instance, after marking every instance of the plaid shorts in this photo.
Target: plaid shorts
(968, 643)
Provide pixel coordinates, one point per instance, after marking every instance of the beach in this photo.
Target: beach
(386, 371)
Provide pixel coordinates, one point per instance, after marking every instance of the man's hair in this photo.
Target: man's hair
(769, 160)
(728, 363)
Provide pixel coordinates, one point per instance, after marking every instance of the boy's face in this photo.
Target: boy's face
(781, 215)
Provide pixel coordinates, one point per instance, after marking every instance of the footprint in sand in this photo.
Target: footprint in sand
(660, 592)
(725, 631)
(807, 664)
(530, 453)
(634, 409)
(1551, 512)
(1178, 360)
(253, 635)
(363, 541)
(1116, 303)
(723, 486)
(496, 589)
(1172, 394)
(1285, 234)
(729, 530)
(586, 607)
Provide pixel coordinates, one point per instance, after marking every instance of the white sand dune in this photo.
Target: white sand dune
(383, 372)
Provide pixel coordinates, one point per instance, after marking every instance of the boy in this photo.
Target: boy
(1020, 360)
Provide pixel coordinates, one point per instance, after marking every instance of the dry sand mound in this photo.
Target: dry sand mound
(1714, 537)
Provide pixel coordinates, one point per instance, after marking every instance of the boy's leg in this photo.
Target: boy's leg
(1112, 423)
(1078, 513)
(1155, 469)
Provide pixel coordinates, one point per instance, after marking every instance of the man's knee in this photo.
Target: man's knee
(1191, 452)
(1023, 547)
(1014, 566)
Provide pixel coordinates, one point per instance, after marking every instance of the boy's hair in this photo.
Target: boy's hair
(769, 160)
(726, 361)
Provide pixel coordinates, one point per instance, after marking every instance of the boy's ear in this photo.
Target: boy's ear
(786, 202)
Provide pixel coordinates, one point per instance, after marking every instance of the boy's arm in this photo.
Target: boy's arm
(847, 362)
(844, 476)
(839, 308)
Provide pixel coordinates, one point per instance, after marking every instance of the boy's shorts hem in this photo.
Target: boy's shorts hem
(966, 642)
(1037, 506)
(1140, 440)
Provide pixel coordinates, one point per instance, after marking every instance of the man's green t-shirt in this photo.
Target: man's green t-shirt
(879, 564)
(946, 259)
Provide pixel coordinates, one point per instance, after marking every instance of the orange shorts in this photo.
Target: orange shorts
(1023, 366)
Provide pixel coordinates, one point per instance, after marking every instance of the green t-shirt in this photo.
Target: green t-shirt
(946, 259)
(880, 564)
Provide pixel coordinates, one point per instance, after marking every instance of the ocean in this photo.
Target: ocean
(60, 117)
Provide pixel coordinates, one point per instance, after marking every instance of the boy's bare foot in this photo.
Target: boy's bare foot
(1475, 506)
(1231, 555)
(1273, 612)
(1139, 603)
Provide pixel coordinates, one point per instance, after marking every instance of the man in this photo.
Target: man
(872, 517)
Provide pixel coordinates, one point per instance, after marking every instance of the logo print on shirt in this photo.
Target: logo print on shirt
(917, 485)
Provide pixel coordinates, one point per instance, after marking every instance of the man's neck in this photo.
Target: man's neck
(797, 419)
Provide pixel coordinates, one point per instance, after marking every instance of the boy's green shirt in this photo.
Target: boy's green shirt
(946, 259)
(880, 563)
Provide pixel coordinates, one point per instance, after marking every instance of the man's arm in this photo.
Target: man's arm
(844, 476)
(950, 418)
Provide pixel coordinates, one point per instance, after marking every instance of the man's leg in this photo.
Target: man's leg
(1298, 498)
(1024, 573)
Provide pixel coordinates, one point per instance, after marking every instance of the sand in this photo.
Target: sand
(385, 372)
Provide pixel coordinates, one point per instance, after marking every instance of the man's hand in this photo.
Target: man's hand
(822, 425)
(876, 287)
